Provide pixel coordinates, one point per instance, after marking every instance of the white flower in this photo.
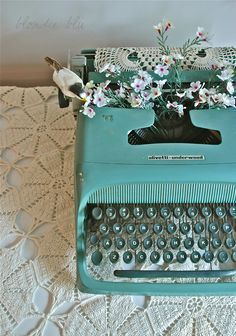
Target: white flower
(226, 74)
(134, 100)
(158, 27)
(145, 95)
(180, 95)
(90, 85)
(217, 98)
(228, 101)
(204, 95)
(138, 85)
(120, 92)
(201, 33)
(99, 99)
(89, 112)
(155, 92)
(173, 105)
(161, 70)
(167, 60)
(180, 109)
(144, 76)
(177, 56)
(161, 83)
(230, 87)
(110, 69)
(195, 86)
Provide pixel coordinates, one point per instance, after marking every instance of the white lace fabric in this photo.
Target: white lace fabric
(37, 258)
(146, 58)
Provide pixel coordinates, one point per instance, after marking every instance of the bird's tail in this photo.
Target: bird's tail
(53, 63)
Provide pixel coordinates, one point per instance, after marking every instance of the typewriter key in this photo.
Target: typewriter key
(171, 228)
(161, 242)
(103, 228)
(230, 242)
(234, 256)
(222, 256)
(188, 243)
(138, 212)
(227, 228)
(232, 211)
(141, 257)
(119, 243)
(206, 211)
(181, 256)
(168, 256)
(147, 243)
(111, 212)
(216, 242)
(143, 228)
(198, 228)
(157, 228)
(97, 213)
(202, 243)
(124, 212)
(185, 228)
(220, 212)
(192, 212)
(96, 257)
(130, 228)
(213, 227)
(165, 212)
(208, 256)
(151, 212)
(175, 243)
(127, 257)
(195, 256)
(154, 257)
(133, 243)
(114, 256)
(106, 243)
(117, 228)
(178, 212)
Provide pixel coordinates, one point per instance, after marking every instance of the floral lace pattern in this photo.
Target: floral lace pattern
(37, 245)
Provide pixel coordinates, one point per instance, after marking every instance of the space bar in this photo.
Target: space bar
(174, 274)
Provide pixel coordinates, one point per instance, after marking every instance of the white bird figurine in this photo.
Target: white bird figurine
(69, 83)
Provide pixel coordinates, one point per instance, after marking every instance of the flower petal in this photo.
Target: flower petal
(42, 229)
(29, 249)
(26, 326)
(10, 240)
(9, 155)
(64, 308)
(51, 329)
(14, 178)
(24, 162)
(24, 221)
(42, 300)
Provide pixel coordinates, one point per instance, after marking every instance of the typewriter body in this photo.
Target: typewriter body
(154, 219)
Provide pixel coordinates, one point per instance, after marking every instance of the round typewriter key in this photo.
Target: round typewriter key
(175, 243)
(106, 243)
(227, 228)
(161, 242)
(133, 243)
(234, 256)
(178, 212)
(93, 239)
(124, 212)
(165, 212)
(103, 228)
(117, 228)
(168, 256)
(232, 211)
(195, 256)
(114, 257)
(202, 243)
(119, 243)
(222, 256)
(97, 213)
(213, 227)
(154, 257)
(216, 242)
(127, 257)
(185, 228)
(220, 211)
(198, 228)
(208, 256)
(96, 257)
(171, 228)
(157, 228)
(147, 243)
(130, 228)
(151, 212)
(206, 211)
(138, 212)
(188, 243)
(181, 256)
(143, 228)
(230, 242)
(141, 257)
(192, 212)
(111, 212)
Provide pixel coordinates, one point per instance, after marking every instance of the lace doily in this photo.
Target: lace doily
(148, 58)
(38, 267)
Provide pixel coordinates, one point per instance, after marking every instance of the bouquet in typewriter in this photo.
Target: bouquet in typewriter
(163, 89)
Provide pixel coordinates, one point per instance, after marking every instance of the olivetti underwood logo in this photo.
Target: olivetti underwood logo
(176, 157)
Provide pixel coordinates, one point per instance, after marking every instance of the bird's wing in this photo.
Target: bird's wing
(69, 77)
(63, 102)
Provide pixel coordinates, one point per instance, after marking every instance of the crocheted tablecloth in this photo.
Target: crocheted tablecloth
(38, 293)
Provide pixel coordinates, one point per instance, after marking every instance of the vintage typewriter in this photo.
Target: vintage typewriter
(154, 218)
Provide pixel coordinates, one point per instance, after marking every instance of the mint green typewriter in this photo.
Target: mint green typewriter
(154, 218)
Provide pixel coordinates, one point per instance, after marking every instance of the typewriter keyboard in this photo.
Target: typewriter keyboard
(174, 237)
